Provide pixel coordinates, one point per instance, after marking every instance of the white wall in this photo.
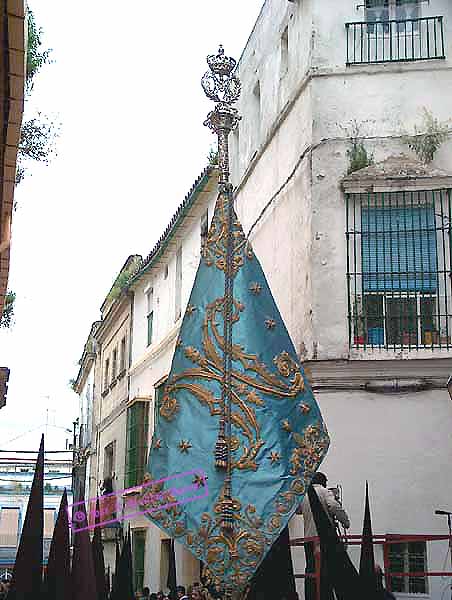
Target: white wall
(398, 442)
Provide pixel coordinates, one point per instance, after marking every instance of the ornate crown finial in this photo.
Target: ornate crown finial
(220, 84)
(220, 64)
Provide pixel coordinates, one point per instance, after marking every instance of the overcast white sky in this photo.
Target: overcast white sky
(125, 84)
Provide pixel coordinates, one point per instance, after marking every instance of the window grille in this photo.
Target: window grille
(408, 558)
(137, 433)
(399, 269)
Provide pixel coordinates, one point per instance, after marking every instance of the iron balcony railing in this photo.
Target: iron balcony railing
(372, 42)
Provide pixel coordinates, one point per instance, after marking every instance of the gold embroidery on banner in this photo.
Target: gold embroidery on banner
(309, 445)
(235, 556)
(213, 251)
(168, 407)
(184, 446)
(274, 457)
(250, 386)
(286, 425)
(270, 323)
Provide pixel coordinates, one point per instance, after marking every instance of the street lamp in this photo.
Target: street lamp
(449, 386)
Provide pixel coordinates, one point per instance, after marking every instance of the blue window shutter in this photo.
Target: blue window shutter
(398, 249)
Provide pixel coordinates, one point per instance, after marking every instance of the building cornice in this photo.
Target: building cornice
(379, 376)
(200, 185)
(400, 173)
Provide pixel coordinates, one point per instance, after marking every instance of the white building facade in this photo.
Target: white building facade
(359, 263)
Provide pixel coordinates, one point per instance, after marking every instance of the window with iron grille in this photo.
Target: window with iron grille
(137, 433)
(399, 269)
(138, 552)
(411, 558)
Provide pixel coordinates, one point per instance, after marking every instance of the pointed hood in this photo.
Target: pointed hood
(27, 574)
(123, 584)
(83, 576)
(342, 575)
(171, 581)
(57, 582)
(274, 580)
(98, 557)
(367, 571)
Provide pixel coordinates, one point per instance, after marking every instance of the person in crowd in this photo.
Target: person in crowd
(312, 548)
(153, 596)
(160, 595)
(195, 592)
(385, 594)
(181, 595)
(146, 593)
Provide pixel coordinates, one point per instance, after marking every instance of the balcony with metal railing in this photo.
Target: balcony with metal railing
(373, 42)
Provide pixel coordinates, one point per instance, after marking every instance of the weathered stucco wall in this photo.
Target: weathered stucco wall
(399, 442)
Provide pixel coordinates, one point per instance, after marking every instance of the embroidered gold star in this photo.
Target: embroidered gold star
(274, 457)
(157, 444)
(190, 309)
(184, 446)
(200, 480)
(286, 425)
(304, 408)
(270, 323)
(255, 288)
(241, 388)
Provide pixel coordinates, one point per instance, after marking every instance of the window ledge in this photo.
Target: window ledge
(121, 374)
(113, 383)
(105, 392)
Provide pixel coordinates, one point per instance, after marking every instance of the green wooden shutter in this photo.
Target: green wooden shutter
(138, 551)
(137, 432)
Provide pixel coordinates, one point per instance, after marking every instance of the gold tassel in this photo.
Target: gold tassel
(221, 453)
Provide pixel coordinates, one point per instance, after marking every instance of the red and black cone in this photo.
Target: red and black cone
(57, 581)
(27, 575)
